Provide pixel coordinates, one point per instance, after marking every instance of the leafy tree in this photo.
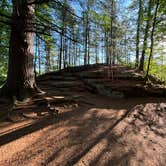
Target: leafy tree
(145, 42)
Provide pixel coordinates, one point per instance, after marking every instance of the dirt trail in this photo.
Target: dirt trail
(90, 130)
(102, 133)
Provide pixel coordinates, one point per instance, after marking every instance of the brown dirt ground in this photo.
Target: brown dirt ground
(95, 130)
(90, 130)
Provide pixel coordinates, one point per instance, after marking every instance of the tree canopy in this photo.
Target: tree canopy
(72, 33)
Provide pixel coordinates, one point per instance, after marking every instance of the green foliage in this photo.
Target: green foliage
(103, 17)
(157, 68)
(5, 13)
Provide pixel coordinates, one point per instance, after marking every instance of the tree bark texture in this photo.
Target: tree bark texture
(21, 78)
(142, 60)
(138, 32)
(152, 38)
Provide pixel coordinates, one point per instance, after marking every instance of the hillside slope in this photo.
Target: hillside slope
(114, 81)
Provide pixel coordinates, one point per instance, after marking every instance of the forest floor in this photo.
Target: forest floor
(95, 126)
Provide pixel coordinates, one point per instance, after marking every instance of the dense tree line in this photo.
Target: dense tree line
(39, 36)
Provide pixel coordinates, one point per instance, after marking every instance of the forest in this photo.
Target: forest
(82, 82)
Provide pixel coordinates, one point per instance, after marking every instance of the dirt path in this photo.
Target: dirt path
(90, 130)
(97, 131)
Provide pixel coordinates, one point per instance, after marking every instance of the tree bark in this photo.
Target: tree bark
(152, 38)
(48, 57)
(112, 34)
(141, 66)
(20, 77)
(60, 51)
(96, 54)
(65, 63)
(85, 40)
(39, 56)
(138, 33)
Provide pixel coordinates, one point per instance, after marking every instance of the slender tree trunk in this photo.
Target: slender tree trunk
(96, 53)
(138, 33)
(21, 78)
(60, 52)
(65, 52)
(85, 42)
(106, 47)
(79, 54)
(88, 39)
(141, 66)
(39, 56)
(48, 53)
(102, 51)
(70, 52)
(112, 17)
(75, 54)
(111, 46)
(35, 62)
(48, 60)
(152, 38)
(125, 49)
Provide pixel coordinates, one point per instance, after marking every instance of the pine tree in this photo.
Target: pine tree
(20, 77)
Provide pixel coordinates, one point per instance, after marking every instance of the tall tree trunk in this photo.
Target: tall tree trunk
(152, 38)
(70, 52)
(138, 33)
(21, 79)
(75, 54)
(60, 51)
(48, 57)
(62, 38)
(39, 56)
(112, 36)
(35, 61)
(85, 40)
(88, 39)
(65, 62)
(141, 66)
(106, 47)
(111, 44)
(76, 57)
(79, 55)
(96, 53)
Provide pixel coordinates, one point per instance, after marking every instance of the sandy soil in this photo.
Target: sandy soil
(95, 130)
